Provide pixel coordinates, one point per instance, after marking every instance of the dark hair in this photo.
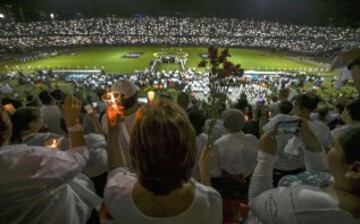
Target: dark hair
(241, 104)
(45, 97)
(162, 147)
(183, 99)
(350, 142)
(354, 110)
(285, 107)
(14, 102)
(197, 119)
(308, 101)
(21, 120)
(323, 111)
(129, 102)
(284, 93)
(3, 127)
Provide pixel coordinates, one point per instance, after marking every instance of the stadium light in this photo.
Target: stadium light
(2, 16)
(52, 16)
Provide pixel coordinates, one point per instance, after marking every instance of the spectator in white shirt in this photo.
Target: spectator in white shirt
(42, 185)
(51, 113)
(305, 104)
(129, 102)
(351, 117)
(235, 152)
(163, 150)
(285, 164)
(282, 96)
(336, 203)
(27, 122)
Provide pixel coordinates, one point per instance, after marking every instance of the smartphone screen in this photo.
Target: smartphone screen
(288, 127)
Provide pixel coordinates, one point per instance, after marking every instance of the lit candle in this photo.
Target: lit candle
(52, 143)
(151, 96)
(9, 108)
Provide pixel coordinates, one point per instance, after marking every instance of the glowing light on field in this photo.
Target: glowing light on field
(2, 16)
(52, 16)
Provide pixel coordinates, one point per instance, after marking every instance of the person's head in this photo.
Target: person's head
(234, 120)
(128, 91)
(285, 107)
(7, 100)
(162, 147)
(323, 111)
(45, 97)
(197, 119)
(26, 120)
(283, 94)
(305, 104)
(183, 99)
(241, 104)
(344, 160)
(5, 127)
(351, 112)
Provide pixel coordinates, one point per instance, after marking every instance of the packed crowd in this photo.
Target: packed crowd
(257, 85)
(64, 159)
(176, 31)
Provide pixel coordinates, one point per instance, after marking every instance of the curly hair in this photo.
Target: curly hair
(162, 147)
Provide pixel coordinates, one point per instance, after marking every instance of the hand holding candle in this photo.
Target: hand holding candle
(114, 110)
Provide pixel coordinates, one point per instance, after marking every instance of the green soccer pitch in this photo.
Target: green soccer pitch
(111, 60)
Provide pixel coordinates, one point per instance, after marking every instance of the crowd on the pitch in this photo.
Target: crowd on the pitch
(176, 31)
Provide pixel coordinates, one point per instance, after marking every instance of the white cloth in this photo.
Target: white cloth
(96, 144)
(297, 204)
(52, 118)
(39, 185)
(205, 209)
(234, 153)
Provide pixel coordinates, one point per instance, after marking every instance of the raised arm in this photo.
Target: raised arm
(262, 178)
(314, 153)
(116, 157)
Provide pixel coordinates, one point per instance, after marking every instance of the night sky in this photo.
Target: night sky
(338, 12)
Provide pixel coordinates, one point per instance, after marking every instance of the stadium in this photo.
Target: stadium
(204, 112)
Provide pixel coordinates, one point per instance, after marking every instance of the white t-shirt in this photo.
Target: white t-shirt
(322, 132)
(52, 118)
(235, 153)
(96, 143)
(205, 209)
